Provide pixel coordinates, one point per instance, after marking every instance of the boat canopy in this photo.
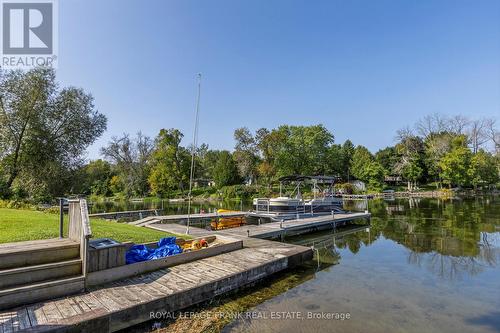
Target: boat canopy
(319, 179)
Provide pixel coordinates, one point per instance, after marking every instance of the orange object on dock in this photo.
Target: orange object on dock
(220, 223)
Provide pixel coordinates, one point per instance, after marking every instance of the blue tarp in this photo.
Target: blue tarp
(166, 247)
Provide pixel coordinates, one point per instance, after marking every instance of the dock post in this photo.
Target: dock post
(248, 232)
(61, 217)
(259, 221)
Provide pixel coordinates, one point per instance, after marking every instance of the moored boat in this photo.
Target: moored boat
(324, 198)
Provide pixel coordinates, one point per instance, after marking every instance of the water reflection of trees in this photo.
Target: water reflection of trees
(447, 267)
(448, 237)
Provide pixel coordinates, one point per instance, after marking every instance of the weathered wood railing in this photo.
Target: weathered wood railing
(79, 228)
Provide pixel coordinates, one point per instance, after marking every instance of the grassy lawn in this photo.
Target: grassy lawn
(20, 225)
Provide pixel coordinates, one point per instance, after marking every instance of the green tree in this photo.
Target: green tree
(375, 174)
(361, 159)
(170, 163)
(455, 164)
(44, 131)
(483, 169)
(302, 150)
(412, 172)
(387, 157)
(97, 177)
(116, 184)
(335, 160)
(225, 170)
(347, 152)
(366, 169)
(131, 160)
(268, 144)
(437, 145)
(203, 167)
(245, 151)
(410, 152)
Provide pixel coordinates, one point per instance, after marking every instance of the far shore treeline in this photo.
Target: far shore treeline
(45, 130)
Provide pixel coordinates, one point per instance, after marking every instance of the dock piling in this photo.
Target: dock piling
(216, 220)
(61, 217)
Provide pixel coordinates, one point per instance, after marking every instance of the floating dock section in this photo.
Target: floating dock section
(272, 230)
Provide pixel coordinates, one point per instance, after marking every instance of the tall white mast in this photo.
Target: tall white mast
(193, 150)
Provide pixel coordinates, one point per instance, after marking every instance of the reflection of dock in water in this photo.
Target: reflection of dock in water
(325, 245)
(329, 239)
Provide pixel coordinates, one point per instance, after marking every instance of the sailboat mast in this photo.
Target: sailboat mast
(193, 151)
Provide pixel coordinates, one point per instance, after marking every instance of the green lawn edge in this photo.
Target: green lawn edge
(18, 225)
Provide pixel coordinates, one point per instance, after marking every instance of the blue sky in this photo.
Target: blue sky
(361, 68)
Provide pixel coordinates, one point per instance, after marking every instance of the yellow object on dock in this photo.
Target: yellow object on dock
(219, 223)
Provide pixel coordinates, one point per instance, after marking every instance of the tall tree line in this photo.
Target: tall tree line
(45, 130)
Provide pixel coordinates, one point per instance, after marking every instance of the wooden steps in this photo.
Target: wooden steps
(40, 291)
(19, 254)
(31, 274)
(38, 270)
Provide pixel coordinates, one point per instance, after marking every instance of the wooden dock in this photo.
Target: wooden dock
(124, 303)
(357, 196)
(199, 216)
(127, 214)
(184, 217)
(272, 230)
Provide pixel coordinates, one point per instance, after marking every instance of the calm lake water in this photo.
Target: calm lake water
(423, 265)
(167, 208)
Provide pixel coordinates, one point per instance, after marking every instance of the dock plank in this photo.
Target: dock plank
(92, 302)
(141, 282)
(6, 322)
(116, 295)
(144, 296)
(81, 303)
(36, 316)
(103, 296)
(65, 308)
(22, 319)
(52, 313)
